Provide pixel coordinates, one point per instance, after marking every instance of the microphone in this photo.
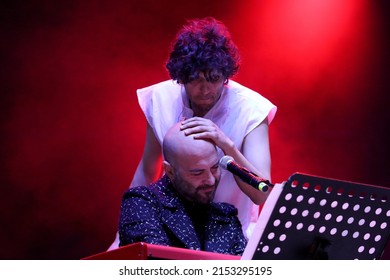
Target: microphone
(228, 163)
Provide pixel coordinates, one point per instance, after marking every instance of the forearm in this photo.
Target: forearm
(255, 156)
(255, 195)
(235, 153)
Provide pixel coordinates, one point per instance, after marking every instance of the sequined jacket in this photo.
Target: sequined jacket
(156, 215)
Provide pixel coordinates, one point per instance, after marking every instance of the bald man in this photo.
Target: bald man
(177, 210)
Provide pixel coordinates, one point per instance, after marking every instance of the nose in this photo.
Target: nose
(209, 179)
(205, 88)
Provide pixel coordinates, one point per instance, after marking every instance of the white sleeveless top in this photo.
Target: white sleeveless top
(237, 112)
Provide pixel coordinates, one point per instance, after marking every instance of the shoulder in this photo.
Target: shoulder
(248, 102)
(155, 97)
(140, 192)
(162, 105)
(159, 191)
(244, 94)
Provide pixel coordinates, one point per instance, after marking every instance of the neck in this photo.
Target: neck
(191, 205)
(198, 112)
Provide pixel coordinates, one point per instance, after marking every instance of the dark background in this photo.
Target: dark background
(71, 131)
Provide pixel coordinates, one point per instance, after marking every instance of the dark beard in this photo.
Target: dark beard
(180, 184)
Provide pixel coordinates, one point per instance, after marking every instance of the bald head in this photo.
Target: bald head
(177, 146)
(192, 165)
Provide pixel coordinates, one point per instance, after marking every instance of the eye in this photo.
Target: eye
(215, 77)
(215, 167)
(196, 173)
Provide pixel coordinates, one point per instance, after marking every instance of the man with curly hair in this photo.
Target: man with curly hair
(210, 106)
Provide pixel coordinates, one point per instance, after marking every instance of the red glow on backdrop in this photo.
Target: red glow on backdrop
(305, 37)
(315, 59)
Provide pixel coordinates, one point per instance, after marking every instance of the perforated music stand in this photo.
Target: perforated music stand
(311, 217)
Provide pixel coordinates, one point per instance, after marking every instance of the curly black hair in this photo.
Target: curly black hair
(203, 46)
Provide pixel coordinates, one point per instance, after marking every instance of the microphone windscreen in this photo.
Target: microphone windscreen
(224, 161)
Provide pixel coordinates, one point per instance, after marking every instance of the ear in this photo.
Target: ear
(168, 169)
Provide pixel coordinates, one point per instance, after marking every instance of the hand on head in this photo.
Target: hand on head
(201, 128)
(191, 164)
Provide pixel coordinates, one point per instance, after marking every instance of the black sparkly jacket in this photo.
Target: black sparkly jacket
(156, 215)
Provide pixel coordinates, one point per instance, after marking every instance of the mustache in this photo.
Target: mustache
(205, 187)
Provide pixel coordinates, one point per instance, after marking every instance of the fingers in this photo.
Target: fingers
(195, 121)
(198, 129)
(198, 125)
(201, 128)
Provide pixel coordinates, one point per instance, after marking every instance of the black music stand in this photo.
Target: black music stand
(311, 217)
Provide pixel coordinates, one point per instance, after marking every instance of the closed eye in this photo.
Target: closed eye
(196, 172)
